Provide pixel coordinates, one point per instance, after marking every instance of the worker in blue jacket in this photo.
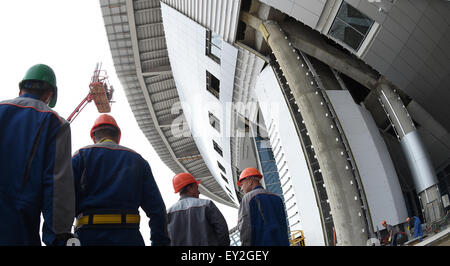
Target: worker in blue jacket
(111, 183)
(35, 165)
(262, 218)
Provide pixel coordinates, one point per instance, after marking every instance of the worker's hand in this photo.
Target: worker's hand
(389, 240)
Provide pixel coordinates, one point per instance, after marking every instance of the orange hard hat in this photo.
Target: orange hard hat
(181, 180)
(383, 222)
(247, 173)
(105, 119)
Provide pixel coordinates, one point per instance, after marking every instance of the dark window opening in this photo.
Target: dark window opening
(214, 121)
(224, 178)
(217, 148)
(212, 84)
(245, 5)
(240, 33)
(221, 167)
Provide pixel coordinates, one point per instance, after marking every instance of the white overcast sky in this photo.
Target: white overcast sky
(70, 37)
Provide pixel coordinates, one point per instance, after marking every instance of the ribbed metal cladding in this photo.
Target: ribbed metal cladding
(159, 84)
(221, 16)
(248, 67)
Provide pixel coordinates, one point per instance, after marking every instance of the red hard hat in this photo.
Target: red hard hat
(105, 119)
(181, 180)
(383, 222)
(247, 173)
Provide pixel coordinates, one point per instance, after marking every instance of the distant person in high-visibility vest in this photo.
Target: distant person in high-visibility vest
(262, 218)
(111, 183)
(35, 165)
(194, 221)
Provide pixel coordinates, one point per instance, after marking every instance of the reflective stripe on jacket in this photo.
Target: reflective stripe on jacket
(262, 219)
(36, 173)
(109, 176)
(197, 222)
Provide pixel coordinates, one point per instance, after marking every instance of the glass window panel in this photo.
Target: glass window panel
(362, 29)
(350, 26)
(215, 51)
(265, 156)
(355, 18)
(216, 40)
(269, 166)
(347, 34)
(274, 189)
(213, 46)
(272, 178)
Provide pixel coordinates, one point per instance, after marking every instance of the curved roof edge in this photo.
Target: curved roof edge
(137, 42)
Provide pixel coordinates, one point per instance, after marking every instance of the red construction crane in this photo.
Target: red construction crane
(99, 90)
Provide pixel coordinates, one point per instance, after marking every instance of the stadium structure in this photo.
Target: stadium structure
(341, 104)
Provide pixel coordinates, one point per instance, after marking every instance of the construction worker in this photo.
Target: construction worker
(392, 231)
(262, 218)
(35, 165)
(194, 221)
(415, 222)
(111, 183)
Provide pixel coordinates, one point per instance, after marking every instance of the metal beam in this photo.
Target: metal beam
(312, 43)
(190, 158)
(344, 200)
(166, 69)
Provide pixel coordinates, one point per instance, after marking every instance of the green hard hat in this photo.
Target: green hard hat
(44, 73)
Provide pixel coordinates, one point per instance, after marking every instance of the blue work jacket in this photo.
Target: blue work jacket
(35, 173)
(262, 219)
(112, 177)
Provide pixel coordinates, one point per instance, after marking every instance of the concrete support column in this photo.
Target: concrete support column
(419, 162)
(343, 194)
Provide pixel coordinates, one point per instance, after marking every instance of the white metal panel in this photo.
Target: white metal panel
(186, 41)
(220, 16)
(415, 33)
(137, 43)
(308, 12)
(374, 163)
(300, 199)
(304, 15)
